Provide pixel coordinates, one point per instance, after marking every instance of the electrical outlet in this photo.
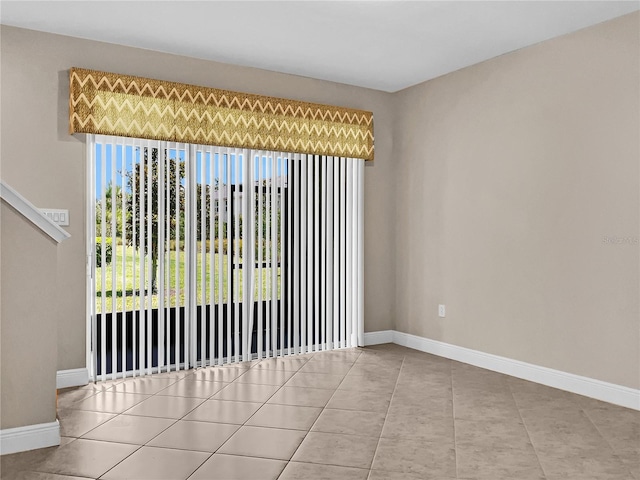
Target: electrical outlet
(441, 311)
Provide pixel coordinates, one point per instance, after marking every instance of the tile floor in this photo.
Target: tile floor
(378, 413)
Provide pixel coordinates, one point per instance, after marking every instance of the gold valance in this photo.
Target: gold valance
(112, 104)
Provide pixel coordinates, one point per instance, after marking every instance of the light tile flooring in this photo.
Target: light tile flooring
(378, 413)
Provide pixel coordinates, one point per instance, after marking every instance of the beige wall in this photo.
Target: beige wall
(492, 190)
(510, 175)
(47, 165)
(27, 322)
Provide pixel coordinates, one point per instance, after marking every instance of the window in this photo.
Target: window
(205, 255)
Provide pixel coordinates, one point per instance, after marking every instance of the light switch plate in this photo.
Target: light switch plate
(59, 216)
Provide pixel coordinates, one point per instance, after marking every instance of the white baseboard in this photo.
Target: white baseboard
(30, 437)
(75, 377)
(377, 338)
(589, 387)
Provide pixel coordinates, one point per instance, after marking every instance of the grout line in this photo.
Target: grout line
(375, 452)
(253, 414)
(178, 379)
(321, 412)
(526, 430)
(191, 376)
(137, 449)
(250, 417)
(181, 418)
(202, 403)
(453, 418)
(335, 390)
(615, 453)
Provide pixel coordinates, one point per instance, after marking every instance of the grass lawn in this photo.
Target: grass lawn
(126, 291)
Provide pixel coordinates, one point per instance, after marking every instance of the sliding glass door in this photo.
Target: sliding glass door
(202, 255)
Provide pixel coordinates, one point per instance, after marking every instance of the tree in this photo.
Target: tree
(263, 230)
(108, 211)
(144, 194)
(208, 214)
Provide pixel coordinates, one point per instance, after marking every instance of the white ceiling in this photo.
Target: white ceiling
(385, 45)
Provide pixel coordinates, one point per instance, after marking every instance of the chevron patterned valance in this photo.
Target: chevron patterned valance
(112, 104)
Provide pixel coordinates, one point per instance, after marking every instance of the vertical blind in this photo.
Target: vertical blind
(202, 255)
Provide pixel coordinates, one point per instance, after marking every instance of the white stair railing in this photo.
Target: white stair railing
(32, 213)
